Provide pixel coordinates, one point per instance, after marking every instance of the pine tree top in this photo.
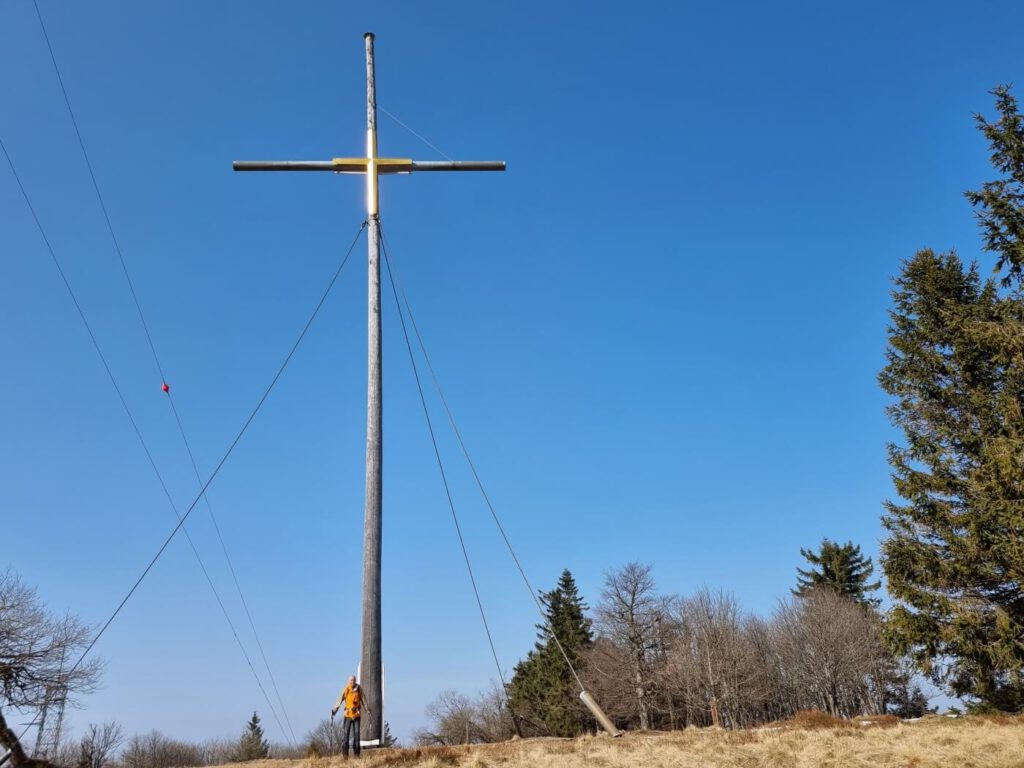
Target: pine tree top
(566, 614)
(252, 745)
(998, 203)
(841, 567)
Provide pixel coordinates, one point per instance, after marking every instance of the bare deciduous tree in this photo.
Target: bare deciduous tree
(832, 649)
(38, 652)
(457, 719)
(493, 720)
(451, 716)
(722, 653)
(707, 662)
(628, 614)
(822, 651)
(97, 747)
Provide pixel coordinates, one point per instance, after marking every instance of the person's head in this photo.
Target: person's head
(351, 680)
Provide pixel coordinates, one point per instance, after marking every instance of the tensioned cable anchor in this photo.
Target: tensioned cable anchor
(585, 697)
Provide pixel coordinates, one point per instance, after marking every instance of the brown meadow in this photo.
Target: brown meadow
(971, 742)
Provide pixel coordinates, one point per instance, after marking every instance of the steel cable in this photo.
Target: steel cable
(202, 492)
(163, 379)
(476, 476)
(447, 490)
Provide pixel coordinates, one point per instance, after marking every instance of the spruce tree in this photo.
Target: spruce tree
(388, 739)
(910, 702)
(999, 204)
(953, 556)
(252, 745)
(840, 567)
(543, 690)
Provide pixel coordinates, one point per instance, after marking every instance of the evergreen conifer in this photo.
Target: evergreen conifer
(543, 690)
(953, 557)
(840, 567)
(252, 745)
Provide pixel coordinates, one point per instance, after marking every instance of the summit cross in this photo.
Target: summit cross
(372, 166)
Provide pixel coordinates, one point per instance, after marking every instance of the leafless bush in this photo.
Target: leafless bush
(288, 751)
(218, 751)
(154, 750)
(451, 717)
(325, 739)
(493, 720)
(457, 719)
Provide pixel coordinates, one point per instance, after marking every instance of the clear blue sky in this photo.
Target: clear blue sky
(660, 328)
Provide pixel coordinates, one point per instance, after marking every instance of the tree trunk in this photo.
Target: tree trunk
(638, 677)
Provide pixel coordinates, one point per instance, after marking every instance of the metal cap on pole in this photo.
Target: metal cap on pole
(599, 715)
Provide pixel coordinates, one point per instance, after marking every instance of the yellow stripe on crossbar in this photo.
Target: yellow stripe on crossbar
(384, 164)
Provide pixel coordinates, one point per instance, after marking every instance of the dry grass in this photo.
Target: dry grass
(966, 743)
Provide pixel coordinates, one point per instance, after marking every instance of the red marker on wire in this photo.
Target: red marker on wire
(166, 387)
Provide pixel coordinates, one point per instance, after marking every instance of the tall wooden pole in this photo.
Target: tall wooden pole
(370, 668)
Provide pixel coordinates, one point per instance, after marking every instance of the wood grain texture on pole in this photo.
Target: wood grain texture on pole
(371, 666)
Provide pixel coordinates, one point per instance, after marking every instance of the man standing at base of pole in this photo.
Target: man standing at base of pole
(351, 700)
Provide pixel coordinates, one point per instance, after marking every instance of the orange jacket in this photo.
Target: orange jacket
(351, 700)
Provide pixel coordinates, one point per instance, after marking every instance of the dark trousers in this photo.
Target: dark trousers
(350, 728)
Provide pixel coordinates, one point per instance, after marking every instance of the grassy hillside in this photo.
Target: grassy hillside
(974, 742)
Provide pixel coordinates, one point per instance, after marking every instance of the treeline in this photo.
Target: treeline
(664, 661)
(35, 644)
(952, 553)
(105, 746)
(700, 660)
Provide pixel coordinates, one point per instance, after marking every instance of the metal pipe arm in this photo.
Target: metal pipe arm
(358, 165)
(283, 165)
(458, 165)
